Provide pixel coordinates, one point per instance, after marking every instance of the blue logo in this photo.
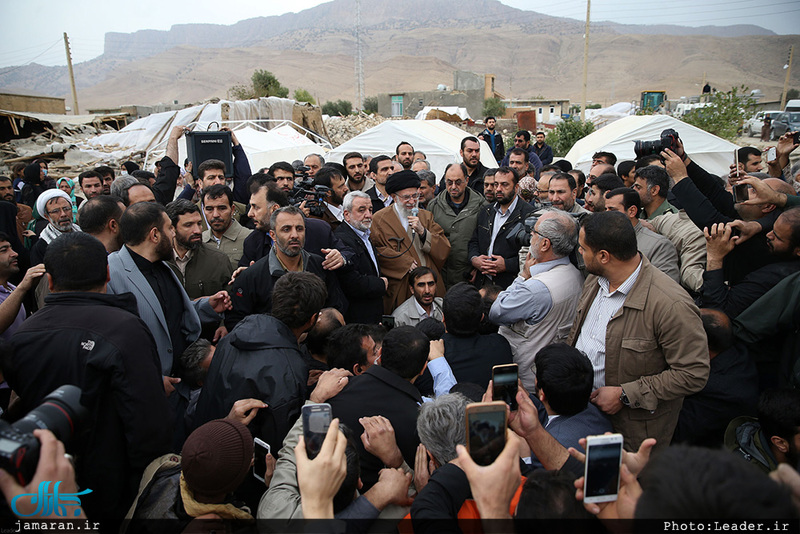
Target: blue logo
(48, 503)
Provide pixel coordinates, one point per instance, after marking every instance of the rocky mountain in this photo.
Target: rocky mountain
(416, 48)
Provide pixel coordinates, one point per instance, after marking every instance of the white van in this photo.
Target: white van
(792, 105)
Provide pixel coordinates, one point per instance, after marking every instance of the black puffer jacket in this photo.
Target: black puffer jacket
(97, 342)
(259, 359)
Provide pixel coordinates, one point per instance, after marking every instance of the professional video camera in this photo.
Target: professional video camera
(313, 195)
(60, 412)
(520, 234)
(669, 139)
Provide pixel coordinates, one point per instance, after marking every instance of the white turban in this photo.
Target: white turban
(47, 196)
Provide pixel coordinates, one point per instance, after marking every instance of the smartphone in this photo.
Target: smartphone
(504, 384)
(486, 430)
(736, 172)
(772, 154)
(316, 420)
(388, 322)
(603, 461)
(260, 452)
(741, 192)
(797, 138)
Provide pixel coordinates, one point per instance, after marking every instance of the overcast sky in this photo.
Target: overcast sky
(33, 29)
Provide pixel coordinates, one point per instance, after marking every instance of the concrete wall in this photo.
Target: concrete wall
(413, 102)
(34, 104)
(465, 81)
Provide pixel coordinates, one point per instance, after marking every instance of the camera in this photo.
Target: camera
(313, 195)
(60, 412)
(520, 234)
(669, 139)
(301, 172)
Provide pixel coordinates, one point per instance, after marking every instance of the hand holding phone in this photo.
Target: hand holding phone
(504, 384)
(388, 322)
(602, 467)
(772, 154)
(260, 452)
(316, 420)
(486, 430)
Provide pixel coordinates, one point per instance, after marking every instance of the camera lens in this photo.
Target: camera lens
(59, 412)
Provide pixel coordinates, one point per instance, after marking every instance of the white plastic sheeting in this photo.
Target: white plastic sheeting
(712, 153)
(283, 143)
(605, 116)
(450, 110)
(149, 132)
(440, 141)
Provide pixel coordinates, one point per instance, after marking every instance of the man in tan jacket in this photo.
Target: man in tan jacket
(642, 334)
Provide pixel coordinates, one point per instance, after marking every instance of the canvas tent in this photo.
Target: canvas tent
(440, 141)
(605, 116)
(263, 148)
(709, 151)
(251, 119)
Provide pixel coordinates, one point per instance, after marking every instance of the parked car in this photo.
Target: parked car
(752, 126)
(785, 122)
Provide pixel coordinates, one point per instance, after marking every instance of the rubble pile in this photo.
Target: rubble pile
(341, 129)
(51, 144)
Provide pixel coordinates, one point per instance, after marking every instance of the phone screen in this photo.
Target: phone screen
(260, 451)
(388, 322)
(602, 469)
(487, 435)
(316, 420)
(504, 384)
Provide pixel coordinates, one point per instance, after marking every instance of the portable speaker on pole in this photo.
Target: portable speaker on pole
(202, 146)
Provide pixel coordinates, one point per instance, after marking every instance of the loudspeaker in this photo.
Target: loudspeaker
(201, 146)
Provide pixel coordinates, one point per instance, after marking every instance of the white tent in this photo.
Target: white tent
(440, 141)
(605, 116)
(709, 151)
(263, 126)
(283, 143)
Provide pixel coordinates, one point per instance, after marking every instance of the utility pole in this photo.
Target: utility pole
(585, 58)
(788, 73)
(359, 61)
(75, 110)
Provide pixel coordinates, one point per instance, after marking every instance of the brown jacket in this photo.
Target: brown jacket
(656, 349)
(396, 253)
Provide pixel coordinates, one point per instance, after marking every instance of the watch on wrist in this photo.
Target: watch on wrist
(623, 398)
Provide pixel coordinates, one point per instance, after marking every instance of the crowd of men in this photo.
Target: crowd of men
(198, 309)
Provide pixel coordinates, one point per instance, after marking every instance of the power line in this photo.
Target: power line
(32, 60)
(20, 53)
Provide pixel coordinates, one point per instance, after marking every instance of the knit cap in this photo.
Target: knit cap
(215, 459)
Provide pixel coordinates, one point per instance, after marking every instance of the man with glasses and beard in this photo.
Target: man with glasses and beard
(539, 306)
(56, 207)
(405, 238)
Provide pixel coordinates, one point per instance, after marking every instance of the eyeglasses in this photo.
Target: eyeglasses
(406, 198)
(59, 210)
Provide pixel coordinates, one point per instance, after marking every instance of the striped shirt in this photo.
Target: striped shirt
(592, 339)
